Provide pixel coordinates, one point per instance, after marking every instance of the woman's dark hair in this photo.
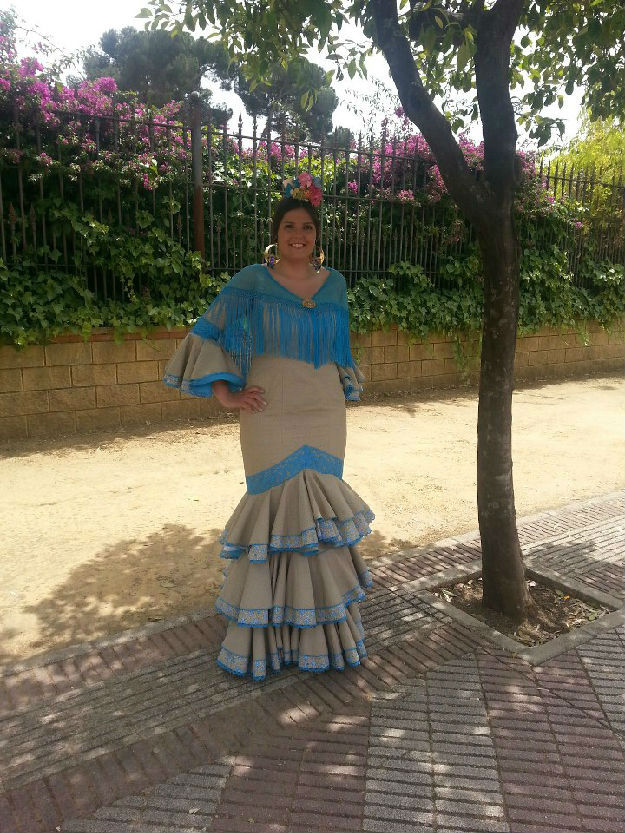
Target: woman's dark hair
(288, 204)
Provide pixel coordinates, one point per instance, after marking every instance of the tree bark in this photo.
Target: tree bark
(503, 580)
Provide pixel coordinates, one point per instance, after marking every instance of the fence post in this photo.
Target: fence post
(196, 166)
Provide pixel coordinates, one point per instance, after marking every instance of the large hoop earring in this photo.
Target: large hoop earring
(317, 260)
(269, 257)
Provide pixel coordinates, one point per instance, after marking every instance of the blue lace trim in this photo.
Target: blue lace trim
(204, 385)
(298, 617)
(352, 394)
(306, 457)
(241, 665)
(327, 531)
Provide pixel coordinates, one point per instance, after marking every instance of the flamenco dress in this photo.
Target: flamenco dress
(294, 577)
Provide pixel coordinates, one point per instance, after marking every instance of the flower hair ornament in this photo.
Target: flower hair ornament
(304, 187)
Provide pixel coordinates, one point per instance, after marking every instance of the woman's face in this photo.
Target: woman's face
(296, 235)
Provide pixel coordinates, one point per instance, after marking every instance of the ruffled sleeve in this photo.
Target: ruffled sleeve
(201, 359)
(351, 379)
(199, 362)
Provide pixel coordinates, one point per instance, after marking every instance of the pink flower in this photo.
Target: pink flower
(315, 194)
(305, 180)
(105, 85)
(46, 160)
(28, 67)
(353, 186)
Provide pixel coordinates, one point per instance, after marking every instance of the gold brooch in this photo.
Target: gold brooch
(308, 303)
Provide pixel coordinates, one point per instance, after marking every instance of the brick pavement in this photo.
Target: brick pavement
(441, 729)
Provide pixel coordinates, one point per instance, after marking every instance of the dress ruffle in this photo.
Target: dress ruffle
(294, 578)
(351, 380)
(293, 610)
(198, 363)
(305, 514)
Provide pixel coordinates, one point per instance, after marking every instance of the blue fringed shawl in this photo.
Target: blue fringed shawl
(256, 315)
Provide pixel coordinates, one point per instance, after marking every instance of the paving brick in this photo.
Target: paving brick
(559, 820)
(113, 774)
(349, 742)
(63, 795)
(407, 814)
(7, 819)
(471, 824)
(381, 826)
(23, 812)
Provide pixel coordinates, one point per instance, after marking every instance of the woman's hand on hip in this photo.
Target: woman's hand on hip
(251, 399)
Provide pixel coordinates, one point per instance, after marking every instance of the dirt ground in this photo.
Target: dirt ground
(109, 531)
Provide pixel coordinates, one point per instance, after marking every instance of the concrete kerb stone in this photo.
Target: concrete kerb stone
(577, 588)
(94, 645)
(540, 653)
(562, 644)
(471, 623)
(584, 503)
(445, 577)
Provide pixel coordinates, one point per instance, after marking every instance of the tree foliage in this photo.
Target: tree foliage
(598, 147)
(158, 67)
(559, 45)
(298, 96)
(162, 67)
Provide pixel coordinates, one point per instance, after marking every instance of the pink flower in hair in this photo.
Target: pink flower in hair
(315, 195)
(305, 180)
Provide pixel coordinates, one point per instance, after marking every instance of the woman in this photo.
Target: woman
(275, 345)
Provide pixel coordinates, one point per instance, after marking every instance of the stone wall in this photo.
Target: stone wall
(70, 386)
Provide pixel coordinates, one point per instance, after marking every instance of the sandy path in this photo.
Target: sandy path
(106, 532)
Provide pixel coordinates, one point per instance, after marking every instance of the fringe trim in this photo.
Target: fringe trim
(246, 323)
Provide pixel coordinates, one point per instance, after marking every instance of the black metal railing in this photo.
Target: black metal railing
(213, 191)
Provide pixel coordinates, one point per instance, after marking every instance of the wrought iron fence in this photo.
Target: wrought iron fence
(211, 190)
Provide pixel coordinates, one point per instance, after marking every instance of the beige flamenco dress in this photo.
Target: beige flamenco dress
(294, 578)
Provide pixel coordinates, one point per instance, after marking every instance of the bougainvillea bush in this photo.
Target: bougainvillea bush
(97, 229)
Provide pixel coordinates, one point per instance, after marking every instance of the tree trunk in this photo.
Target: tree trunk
(487, 204)
(503, 582)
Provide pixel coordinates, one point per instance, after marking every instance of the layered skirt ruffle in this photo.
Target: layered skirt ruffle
(294, 578)
(305, 514)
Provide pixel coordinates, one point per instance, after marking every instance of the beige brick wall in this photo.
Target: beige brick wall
(431, 364)
(73, 387)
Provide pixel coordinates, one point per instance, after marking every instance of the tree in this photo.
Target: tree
(486, 50)
(341, 137)
(599, 146)
(158, 67)
(298, 97)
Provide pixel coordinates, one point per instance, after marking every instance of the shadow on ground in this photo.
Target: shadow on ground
(129, 584)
